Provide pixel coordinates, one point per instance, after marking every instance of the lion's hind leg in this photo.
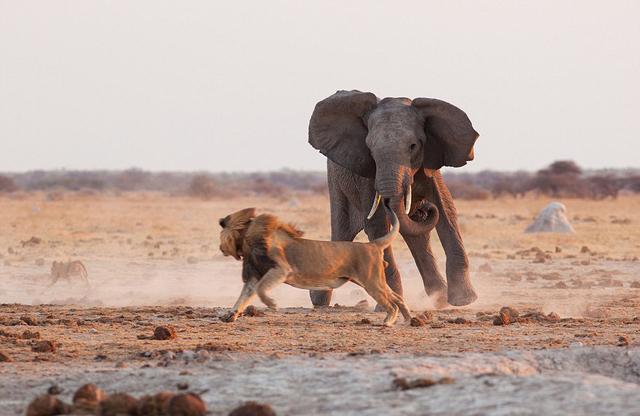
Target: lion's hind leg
(384, 299)
(400, 303)
(270, 280)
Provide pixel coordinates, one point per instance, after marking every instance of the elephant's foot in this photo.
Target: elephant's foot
(320, 298)
(461, 294)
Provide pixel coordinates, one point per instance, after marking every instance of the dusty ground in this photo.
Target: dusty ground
(153, 260)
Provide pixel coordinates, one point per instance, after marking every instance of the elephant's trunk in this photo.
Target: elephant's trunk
(400, 200)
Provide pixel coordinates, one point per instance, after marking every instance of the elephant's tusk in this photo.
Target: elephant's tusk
(374, 208)
(407, 201)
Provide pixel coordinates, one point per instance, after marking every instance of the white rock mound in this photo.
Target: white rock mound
(552, 219)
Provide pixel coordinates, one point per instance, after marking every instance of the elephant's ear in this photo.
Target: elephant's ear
(450, 135)
(338, 131)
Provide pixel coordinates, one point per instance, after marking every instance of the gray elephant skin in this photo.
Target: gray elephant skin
(394, 148)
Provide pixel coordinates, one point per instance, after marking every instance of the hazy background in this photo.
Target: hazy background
(230, 85)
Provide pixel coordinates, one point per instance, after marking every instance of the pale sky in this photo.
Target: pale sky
(230, 85)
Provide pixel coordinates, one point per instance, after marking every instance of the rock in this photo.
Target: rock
(251, 311)
(401, 383)
(192, 260)
(584, 250)
(552, 219)
(155, 405)
(30, 335)
(164, 333)
(31, 242)
(29, 320)
(118, 404)
(460, 321)
(55, 389)
(362, 305)
(561, 285)
(364, 321)
(558, 249)
(188, 404)
(507, 315)
(44, 346)
(39, 262)
(182, 386)
(88, 393)
(253, 409)
(4, 357)
(623, 341)
(416, 322)
(47, 405)
(486, 268)
(635, 285)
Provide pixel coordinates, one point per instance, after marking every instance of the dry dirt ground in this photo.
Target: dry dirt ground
(154, 260)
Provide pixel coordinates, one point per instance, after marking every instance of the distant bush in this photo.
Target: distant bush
(204, 187)
(7, 185)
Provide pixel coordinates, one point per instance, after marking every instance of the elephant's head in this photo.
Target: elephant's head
(392, 140)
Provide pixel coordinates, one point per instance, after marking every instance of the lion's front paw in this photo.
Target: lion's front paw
(228, 316)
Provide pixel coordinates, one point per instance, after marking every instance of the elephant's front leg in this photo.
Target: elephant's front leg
(346, 217)
(460, 291)
(434, 283)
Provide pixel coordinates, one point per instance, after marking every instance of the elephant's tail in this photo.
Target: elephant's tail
(384, 242)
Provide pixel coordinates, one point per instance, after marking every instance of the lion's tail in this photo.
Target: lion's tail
(384, 242)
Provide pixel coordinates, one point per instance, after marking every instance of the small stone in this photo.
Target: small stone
(188, 404)
(585, 249)
(118, 404)
(39, 262)
(635, 285)
(416, 322)
(251, 311)
(460, 321)
(253, 409)
(192, 260)
(30, 335)
(558, 249)
(88, 394)
(446, 380)
(155, 405)
(29, 320)
(120, 364)
(182, 386)
(553, 316)
(47, 405)
(55, 389)
(164, 333)
(485, 268)
(623, 341)
(561, 285)
(506, 316)
(4, 357)
(364, 321)
(44, 346)
(576, 344)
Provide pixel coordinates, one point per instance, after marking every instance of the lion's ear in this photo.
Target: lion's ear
(224, 221)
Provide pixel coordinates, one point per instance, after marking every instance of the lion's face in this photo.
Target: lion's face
(233, 229)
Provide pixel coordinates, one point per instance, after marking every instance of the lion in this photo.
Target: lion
(273, 253)
(66, 270)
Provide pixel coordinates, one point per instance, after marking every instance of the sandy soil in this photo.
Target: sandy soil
(153, 260)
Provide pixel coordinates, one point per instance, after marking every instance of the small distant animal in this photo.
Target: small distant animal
(273, 253)
(60, 269)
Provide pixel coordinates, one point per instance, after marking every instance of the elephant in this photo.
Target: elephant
(393, 149)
